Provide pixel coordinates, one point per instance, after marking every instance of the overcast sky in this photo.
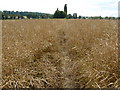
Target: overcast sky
(81, 7)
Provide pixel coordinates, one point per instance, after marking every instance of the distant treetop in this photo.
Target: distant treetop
(61, 14)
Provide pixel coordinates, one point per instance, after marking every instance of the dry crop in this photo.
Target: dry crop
(60, 53)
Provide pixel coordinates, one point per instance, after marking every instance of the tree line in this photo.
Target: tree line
(24, 15)
(36, 15)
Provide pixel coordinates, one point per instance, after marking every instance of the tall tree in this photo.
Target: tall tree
(65, 9)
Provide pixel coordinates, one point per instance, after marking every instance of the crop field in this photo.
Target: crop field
(60, 53)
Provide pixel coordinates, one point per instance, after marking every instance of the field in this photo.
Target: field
(60, 53)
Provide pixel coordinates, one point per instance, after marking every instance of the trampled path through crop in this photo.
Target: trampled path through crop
(66, 62)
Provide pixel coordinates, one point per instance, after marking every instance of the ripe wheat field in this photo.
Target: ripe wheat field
(60, 53)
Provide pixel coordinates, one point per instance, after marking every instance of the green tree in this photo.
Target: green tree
(0, 14)
(62, 14)
(31, 15)
(75, 15)
(69, 16)
(106, 17)
(65, 8)
(59, 14)
(80, 17)
(56, 14)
